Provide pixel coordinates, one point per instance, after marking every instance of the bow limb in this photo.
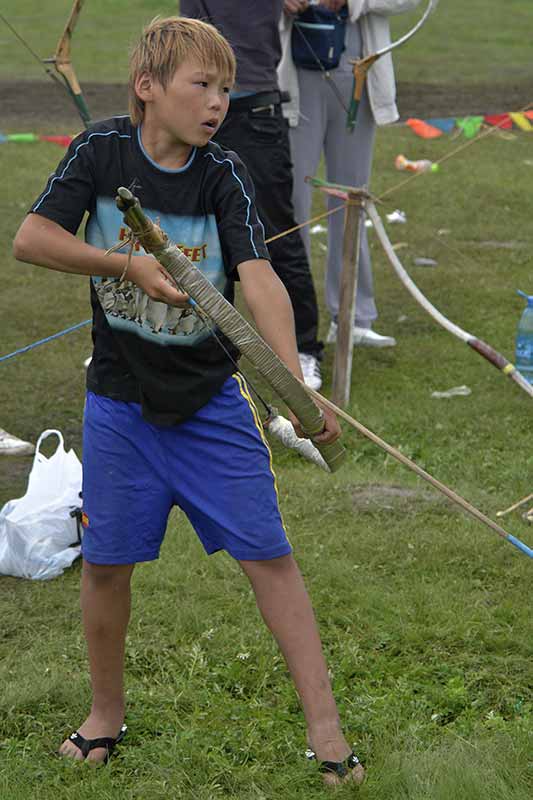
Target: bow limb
(360, 70)
(209, 301)
(489, 353)
(362, 65)
(431, 6)
(63, 64)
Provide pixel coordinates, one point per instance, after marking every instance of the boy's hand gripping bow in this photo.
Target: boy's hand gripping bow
(211, 302)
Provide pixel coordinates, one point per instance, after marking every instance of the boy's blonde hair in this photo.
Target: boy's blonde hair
(166, 43)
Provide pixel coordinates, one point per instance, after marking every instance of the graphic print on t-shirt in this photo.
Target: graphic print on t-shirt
(126, 306)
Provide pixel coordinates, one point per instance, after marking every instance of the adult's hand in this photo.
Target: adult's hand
(295, 6)
(333, 5)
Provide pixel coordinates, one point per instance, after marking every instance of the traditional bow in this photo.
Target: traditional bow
(362, 65)
(485, 350)
(210, 302)
(212, 306)
(61, 61)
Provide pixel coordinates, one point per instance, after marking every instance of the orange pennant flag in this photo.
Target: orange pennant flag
(422, 129)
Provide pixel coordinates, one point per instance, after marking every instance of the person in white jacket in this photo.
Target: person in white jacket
(317, 122)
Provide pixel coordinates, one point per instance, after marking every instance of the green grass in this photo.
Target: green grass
(424, 613)
(481, 41)
(102, 37)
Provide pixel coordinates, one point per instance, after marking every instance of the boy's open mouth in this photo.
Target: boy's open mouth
(210, 124)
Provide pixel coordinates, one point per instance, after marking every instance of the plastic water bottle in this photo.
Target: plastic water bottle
(422, 165)
(524, 340)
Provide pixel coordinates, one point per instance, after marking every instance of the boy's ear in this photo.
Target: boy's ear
(144, 86)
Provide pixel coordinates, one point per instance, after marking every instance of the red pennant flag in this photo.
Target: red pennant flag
(62, 141)
(503, 121)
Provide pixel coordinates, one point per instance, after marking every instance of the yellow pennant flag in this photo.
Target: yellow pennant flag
(521, 121)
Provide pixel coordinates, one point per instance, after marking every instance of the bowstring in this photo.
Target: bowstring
(327, 75)
(39, 60)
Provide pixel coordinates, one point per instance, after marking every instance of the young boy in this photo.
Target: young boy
(164, 402)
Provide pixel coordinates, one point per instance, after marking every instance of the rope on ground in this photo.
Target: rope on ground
(43, 341)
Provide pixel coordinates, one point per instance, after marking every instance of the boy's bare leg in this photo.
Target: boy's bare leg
(105, 604)
(286, 608)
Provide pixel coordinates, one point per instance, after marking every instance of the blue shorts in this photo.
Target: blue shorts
(216, 466)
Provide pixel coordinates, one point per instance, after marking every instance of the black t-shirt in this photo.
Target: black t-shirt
(252, 30)
(145, 351)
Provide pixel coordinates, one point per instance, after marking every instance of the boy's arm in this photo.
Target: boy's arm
(45, 243)
(270, 306)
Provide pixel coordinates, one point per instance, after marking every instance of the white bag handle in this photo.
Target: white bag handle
(44, 435)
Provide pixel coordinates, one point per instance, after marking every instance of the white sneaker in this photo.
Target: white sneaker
(362, 337)
(366, 337)
(13, 446)
(310, 370)
(331, 338)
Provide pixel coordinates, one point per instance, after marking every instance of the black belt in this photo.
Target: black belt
(258, 102)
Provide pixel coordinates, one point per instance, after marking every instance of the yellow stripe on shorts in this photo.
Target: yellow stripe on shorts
(243, 388)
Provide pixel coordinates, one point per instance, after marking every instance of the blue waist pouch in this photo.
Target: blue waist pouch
(318, 38)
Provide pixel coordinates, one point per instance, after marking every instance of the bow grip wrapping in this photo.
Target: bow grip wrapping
(231, 323)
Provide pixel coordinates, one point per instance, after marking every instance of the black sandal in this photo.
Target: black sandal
(338, 768)
(107, 742)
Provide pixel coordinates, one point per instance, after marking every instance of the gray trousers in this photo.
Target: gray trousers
(348, 158)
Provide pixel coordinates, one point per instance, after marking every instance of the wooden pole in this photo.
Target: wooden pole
(342, 370)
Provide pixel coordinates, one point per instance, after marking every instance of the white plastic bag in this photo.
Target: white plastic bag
(39, 532)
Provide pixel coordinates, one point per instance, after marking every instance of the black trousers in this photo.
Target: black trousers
(261, 140)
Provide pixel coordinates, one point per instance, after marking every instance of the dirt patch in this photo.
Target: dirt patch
(426, 100)
(43, 105)
(378, 497)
